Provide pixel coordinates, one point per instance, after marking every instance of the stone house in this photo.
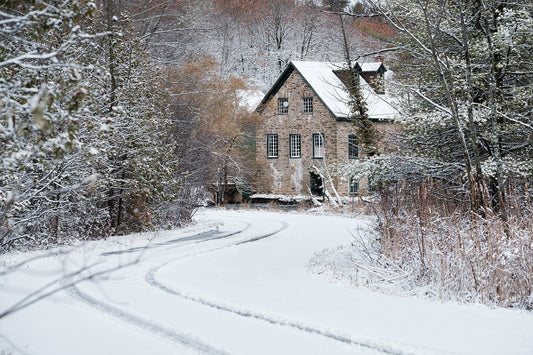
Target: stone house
(304, 126)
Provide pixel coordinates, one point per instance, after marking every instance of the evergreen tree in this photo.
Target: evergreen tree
(84, 133)
(131, 142)
(41, 95)
(454, 208)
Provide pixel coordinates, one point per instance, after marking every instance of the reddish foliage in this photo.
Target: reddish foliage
(138, 210)
(376, 27)
(252, 9)
(166, 10)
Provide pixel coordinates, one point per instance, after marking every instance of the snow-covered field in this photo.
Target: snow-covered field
(237, 282)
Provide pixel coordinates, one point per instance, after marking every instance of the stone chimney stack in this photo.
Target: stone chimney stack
(379, 58)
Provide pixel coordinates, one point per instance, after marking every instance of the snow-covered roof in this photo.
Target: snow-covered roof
(370, 67)
(321, 77)
(327, 86)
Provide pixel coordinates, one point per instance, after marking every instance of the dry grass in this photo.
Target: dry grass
(430, 232)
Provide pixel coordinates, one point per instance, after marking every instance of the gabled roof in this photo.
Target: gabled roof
(321, 78)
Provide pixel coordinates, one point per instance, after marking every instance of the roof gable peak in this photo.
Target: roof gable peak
(323, 79)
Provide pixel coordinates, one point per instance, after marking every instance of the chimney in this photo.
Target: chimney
(379, 58)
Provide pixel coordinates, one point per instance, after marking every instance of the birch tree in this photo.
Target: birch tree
(467, 70)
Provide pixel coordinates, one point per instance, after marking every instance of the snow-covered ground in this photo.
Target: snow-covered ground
(237, 282)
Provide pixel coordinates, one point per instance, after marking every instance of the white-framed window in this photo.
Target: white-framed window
(353, 148)
(283, 105)
(319, 149)
(295, 144)
(308, 104)
(272, 145)
(354, 186)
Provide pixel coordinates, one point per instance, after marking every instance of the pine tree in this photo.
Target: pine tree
(132, 141)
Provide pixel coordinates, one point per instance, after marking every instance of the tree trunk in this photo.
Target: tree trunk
(494, 134)
(478, 196)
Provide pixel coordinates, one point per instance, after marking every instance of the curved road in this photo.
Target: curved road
(241, 288)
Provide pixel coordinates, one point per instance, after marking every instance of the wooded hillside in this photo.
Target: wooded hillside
(117, 115)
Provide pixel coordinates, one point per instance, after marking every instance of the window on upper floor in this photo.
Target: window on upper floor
(319, 149)
(353, 148)
(308, 104)
(272, 145)
(295, 144)
(283, 105)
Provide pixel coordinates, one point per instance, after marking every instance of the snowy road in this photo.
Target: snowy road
(240, 288)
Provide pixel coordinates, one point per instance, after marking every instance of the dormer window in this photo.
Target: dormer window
(308, 104)
(283, 106)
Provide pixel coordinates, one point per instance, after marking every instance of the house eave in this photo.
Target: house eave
(275, 88)
(372, 119)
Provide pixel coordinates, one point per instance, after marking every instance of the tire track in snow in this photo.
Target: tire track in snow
(152, 280)
(193, 239)
(284, 226)
(150, 326)
(277, 320)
